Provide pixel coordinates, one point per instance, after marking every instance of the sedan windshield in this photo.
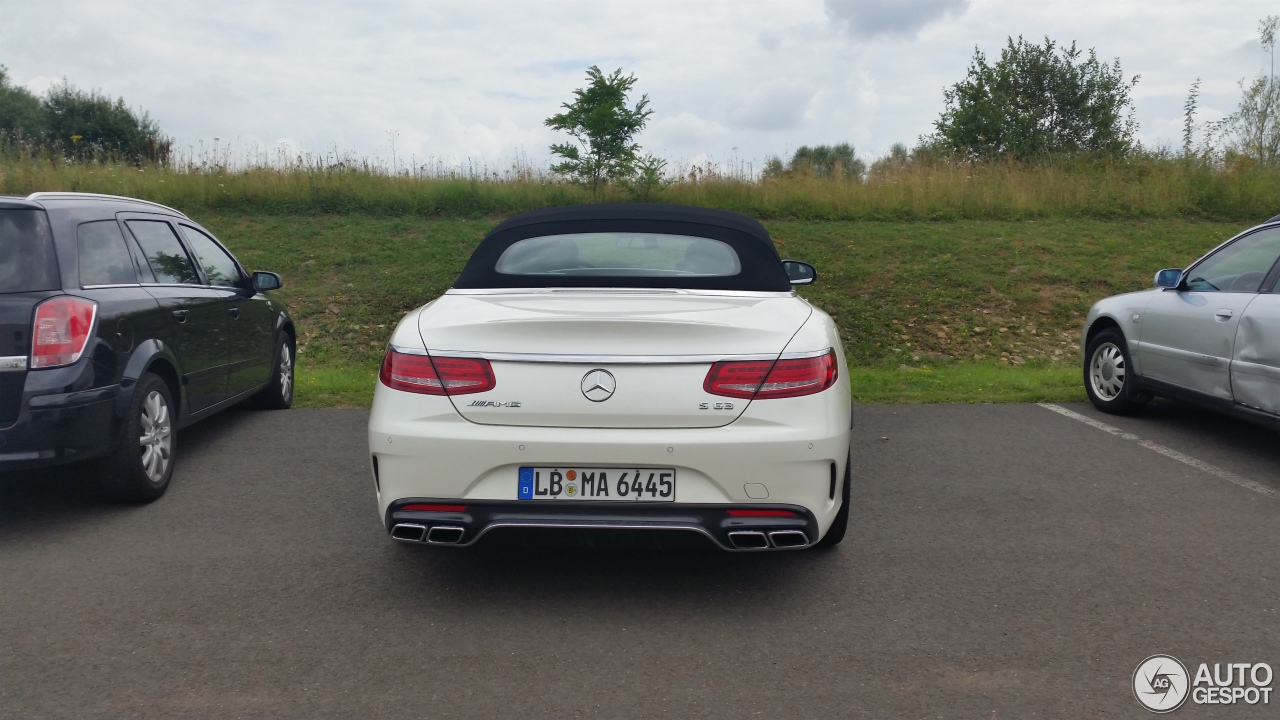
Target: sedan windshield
(620, 254)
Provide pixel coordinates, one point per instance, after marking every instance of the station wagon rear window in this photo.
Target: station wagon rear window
(104, 258)
(27, 259)
(620, 254)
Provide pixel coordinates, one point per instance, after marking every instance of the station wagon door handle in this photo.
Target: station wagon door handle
(1225, 314)
(180, 315)
(234, 312)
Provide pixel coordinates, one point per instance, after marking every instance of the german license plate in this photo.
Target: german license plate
(588, 483)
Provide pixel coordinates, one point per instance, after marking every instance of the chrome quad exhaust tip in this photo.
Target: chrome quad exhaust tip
(445, 535)
(748, 540)
(409, 532)
(788, 539)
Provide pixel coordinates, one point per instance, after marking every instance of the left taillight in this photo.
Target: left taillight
(761, 380)
(436, 375)
(61, 331)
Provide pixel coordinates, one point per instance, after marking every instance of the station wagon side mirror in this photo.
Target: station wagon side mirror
(1169, 278)
(263, 281)
(800, 273)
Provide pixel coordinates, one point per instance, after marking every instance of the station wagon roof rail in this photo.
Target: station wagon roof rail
(38, 196)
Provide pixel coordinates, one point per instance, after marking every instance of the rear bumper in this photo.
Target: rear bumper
(60, 428)
(784, 453)
(460, 529)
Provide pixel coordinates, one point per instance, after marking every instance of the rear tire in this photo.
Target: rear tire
(1108, 374)
(840, 525)
(279, 394)
(141, 467)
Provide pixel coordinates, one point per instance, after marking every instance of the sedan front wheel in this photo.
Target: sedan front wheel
(1108, 374)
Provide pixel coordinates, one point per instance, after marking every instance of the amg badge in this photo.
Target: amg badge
(493, 403)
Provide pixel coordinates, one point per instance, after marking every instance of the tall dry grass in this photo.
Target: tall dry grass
(1146, 187)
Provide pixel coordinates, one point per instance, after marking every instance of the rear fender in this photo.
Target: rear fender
(148, 355)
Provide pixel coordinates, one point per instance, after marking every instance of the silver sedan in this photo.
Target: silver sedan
(1209, 334)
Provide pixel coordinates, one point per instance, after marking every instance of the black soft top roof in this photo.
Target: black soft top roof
(640, 211)
(761, 264)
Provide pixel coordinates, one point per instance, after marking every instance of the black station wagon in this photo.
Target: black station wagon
(122, 321)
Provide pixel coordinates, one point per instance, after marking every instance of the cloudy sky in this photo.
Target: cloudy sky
(458, 80)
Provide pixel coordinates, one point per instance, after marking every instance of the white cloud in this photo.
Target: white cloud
(891, 17)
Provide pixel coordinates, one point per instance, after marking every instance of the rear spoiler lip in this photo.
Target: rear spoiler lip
(605, 290)
(565, 359)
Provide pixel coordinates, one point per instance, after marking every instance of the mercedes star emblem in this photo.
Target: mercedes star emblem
(598, 385)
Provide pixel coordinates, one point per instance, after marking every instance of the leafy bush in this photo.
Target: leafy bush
(78, 125)
(21, 115)
(1038, 101)
(89, 125)
(821, 161)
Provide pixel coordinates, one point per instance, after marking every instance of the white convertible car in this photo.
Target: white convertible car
(637, 367)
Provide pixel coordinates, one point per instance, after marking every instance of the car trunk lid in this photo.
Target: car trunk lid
(548, 349)
(28, 274)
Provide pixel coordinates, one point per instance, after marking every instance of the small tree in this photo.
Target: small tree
(1253, 130)
(1189, 118)
(1037, 101)
(603, 127)
(21, 115)
(648, 179)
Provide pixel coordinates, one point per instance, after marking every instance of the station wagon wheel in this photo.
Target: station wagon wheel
(284, 373)
(278, 394)
(140, 468)
(1107, 374)
(156, 441)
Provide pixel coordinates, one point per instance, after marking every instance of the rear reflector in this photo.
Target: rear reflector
(61, 330)
(436, 376)
(421, 507)
(761, 513)
(765, 379)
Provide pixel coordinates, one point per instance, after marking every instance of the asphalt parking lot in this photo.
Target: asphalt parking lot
(1003, 561)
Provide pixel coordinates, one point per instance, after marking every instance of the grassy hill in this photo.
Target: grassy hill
(971, 310)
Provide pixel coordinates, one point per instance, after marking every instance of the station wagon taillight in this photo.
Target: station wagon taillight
(436, 375)
(764, 379)
(61, 331)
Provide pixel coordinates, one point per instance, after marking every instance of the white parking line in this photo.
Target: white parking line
(1167, 452)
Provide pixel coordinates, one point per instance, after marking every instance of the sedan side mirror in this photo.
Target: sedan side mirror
(1169, 278)
(800, 273)
(263, 281)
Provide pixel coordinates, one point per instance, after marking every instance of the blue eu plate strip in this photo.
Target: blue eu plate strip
(526, 483)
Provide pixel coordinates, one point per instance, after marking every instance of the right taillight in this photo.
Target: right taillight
(436, 375)
(61, 331)
(761, 380)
